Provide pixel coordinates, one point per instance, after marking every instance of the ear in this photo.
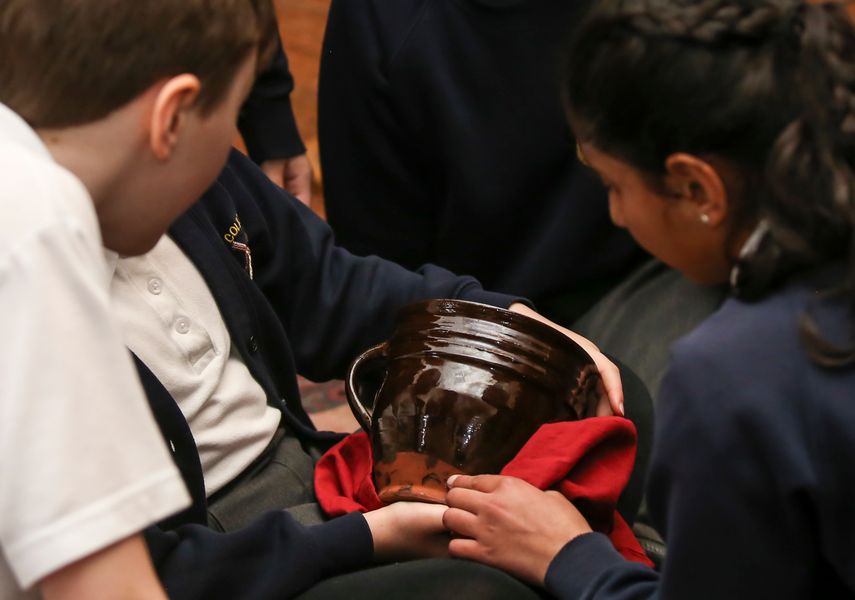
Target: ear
(699, 184)
(172, 102)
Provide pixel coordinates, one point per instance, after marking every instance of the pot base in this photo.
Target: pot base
(414, 477)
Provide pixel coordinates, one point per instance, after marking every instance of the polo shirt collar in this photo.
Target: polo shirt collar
(14, 129)
(112, 259)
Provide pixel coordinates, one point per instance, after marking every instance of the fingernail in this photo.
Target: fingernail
(622, 413)
(450, 481)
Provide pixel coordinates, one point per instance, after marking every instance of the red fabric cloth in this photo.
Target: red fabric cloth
(589, 461)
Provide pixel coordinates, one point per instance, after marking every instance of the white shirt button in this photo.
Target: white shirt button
(182, 324)
(155, 286)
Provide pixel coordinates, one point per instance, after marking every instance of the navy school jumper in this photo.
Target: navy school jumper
(752, 478)
(443, 140)
(310, 308)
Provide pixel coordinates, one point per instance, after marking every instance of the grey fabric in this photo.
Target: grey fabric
(282, 479)
(639, 319)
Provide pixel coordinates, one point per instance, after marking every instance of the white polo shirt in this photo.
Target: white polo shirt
(82, 462)
(172, 323)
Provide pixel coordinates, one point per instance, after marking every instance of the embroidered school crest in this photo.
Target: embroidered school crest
(237, 240)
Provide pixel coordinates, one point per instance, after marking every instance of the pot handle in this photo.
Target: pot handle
(362, 414)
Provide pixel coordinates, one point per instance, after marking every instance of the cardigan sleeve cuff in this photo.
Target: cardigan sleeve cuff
(344, 543)
(269, 129)
(581, 563)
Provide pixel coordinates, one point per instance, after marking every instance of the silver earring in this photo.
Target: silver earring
(705, 218)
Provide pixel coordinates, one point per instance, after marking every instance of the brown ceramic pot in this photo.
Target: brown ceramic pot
(465, 386)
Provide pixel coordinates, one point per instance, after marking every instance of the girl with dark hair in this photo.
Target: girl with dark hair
(725, 131)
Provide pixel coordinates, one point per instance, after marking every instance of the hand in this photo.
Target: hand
(608, 370)
(509, 524)
(293, 174)
(406, 530)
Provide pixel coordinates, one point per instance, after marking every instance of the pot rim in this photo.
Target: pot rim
(478, 310)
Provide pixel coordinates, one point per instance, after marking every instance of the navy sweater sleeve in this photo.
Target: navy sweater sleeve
(332, 304)
(748, 481)
(274, 558)
(710, 494)
(266, 119)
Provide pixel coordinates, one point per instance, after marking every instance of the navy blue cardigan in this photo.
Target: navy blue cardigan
(443, 140)
(310, 308)
(752, 480)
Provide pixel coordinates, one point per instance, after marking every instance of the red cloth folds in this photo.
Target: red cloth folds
(589, 461)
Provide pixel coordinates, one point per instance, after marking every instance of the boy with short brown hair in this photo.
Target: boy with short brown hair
(115, 116)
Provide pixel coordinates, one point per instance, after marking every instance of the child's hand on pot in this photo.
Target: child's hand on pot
(608, 370)
(509, 524)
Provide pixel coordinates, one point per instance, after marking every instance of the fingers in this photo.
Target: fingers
(464, 548)
(298, 178)
(612, 383)
(603, 407)
(460, 522)
(469, 493)
(415, 519)
(275, 170)
(466, 499)
(300, 189)
(608, 370)
(292, 174)
(425, 512)
(412, 506)
(481, 483)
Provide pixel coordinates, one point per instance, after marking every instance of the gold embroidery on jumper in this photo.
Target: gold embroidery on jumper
(230, 237)
(234, 231)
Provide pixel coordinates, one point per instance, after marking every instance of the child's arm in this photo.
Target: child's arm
(276, 557)
(123, 570)
(270, 132)
(334, 304)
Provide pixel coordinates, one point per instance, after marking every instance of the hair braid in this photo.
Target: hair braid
(811, 169)
(707, 21)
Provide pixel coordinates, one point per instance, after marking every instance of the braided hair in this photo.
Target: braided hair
(766, 85)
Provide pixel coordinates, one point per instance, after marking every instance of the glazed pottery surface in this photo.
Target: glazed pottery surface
(465, 385)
